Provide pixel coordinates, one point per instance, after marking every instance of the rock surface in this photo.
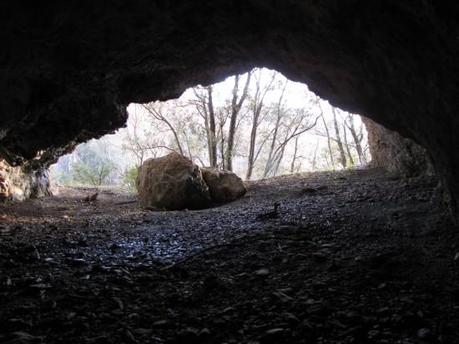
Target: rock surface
(224, 186)
(69, 69)
(172, 182)
(20, 183)
(396, 154)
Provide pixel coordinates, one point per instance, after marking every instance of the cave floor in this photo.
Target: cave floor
(351, 257)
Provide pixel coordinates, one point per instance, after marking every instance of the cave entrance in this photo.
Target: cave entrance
(257, 124)
(311, 254)
(347, 256)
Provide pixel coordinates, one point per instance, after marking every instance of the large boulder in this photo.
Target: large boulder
(224, 186)
(18, 183)
(172, 182)
(395, 153)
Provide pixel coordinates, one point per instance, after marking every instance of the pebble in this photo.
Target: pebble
(424, 333)
(274, 331)
(262, 272)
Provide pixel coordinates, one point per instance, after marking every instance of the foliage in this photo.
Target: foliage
(129, 177)
(89, 165)
(95, 175)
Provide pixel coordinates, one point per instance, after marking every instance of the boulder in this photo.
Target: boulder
(172, 182)
(224, 186)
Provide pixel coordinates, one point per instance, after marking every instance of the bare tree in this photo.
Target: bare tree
(133, 142)
(211, 134)
(236, 105)
(140, 143)
(329, 139)
(295, 155)
(257, 104)
(347, 146)
(342, 153)
(155, 110)
(280, 113)
(358, 138)
(205, 107)
(314, 157)
(298, 124)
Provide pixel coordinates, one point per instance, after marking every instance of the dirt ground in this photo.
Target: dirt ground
(350, 257)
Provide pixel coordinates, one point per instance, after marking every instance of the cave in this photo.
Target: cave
(363, 257)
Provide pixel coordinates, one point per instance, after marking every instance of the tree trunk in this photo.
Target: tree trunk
(279, 114)
(253, 138)
(357, 140)
(342, 153)
(222, 146)
(330, 151)
(278, 161)
(212, 136)
(269, 161)
(257, 106)
(295, 153)
(314, 158)
(346, 145)
(205, 116)
(236, 105)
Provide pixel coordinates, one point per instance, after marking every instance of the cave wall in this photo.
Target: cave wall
(395, 153)
(22, 182)
(68, 69)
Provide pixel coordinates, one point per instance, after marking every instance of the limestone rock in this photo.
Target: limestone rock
(394, 153)
(19, 183)
(224, 186)
(172, 182)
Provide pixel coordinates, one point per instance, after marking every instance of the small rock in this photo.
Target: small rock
(291, 317)
(282, 296)
(262, 272)
(188, 335)
(205, 332)
(373, 333)
(274, 331)
(143, 331)
(274, 335)
(424, 333)
(160, 323)
(77, 262)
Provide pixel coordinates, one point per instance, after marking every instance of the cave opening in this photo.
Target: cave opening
(322, 247)
(349, 256)
(257, 124)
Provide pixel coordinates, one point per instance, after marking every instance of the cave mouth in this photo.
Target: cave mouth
(353, 256)
(343, 255)
(258, 124)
